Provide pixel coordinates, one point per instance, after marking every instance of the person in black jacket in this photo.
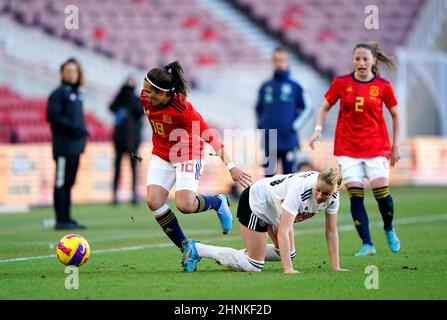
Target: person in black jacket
(281, 105)
(127, 135)
(69, 135)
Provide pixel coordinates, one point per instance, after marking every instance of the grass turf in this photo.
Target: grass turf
(132, 259)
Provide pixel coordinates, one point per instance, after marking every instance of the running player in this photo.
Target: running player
(177, 155)
(278, 201)
(362, 145)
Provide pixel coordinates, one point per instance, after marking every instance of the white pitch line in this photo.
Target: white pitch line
(132, 248)
(343, 228)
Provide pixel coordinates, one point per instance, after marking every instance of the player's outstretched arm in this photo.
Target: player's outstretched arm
(285, 224)
(321, 120)
(395, 152)
(237, 174)
(332, 242)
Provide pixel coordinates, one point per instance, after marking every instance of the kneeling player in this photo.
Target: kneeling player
(278, 201)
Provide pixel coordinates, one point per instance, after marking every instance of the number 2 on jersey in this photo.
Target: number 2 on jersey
(158, 127)
(359, 102)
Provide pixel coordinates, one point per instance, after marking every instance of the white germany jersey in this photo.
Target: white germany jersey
(291, 192)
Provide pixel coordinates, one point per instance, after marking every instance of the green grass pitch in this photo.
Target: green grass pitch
(132, 259)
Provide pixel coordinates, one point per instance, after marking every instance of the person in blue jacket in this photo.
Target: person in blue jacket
(281, 105)
(69, 136)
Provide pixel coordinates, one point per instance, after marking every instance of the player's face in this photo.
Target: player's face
(363, 62)
(155, 98)
(70, 73)
(280, 60)
(322, 191)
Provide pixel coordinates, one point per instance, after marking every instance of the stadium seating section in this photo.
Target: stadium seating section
(136, 32)
(325, 31)
(22, 120)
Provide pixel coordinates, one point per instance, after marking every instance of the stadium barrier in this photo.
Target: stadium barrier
(27, 170)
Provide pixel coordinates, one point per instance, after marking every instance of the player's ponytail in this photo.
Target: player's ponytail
(331, 176)
(180, 84)
(378, 53)
(169, 79)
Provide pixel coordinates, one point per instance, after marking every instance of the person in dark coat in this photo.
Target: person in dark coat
(281, 106)
(127, 134)
(69, 136)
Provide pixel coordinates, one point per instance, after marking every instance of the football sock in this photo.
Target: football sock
(359, 214)
(169, 223)
(386, 206)
(272, 253)
(207, 202)
(229, 257)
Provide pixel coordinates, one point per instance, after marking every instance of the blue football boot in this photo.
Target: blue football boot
(190, 256)
(224, 214)
(393, 240)
(366, 250)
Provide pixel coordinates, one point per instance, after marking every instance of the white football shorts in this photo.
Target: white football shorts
(356, 169)
(185, 175)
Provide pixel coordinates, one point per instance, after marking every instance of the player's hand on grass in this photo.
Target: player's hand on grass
(395, 155)
(341, 270)
(291, 271)
(241, 177)
(315, 138)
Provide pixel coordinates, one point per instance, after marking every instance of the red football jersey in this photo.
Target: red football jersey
(361, 130)
(178, 130)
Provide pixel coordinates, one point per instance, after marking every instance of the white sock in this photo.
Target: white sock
(229, 257)
(292, 254)
(272, 253)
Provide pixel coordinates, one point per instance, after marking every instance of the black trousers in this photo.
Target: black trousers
(288, 161)
(66, 170)
(133, 164)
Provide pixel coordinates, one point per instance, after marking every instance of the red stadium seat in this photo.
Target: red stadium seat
(135, 21)
(310, 24)
(25, 119)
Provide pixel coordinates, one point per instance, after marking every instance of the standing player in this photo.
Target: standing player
(178, 135)
(278, 201)
(362, 145)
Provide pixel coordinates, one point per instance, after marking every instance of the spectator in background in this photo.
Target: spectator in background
(281, 106)
(69, 136)
(127, 135)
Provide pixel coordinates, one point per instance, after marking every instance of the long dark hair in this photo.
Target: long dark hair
(78, 65)
(170, 78)
(379, 54)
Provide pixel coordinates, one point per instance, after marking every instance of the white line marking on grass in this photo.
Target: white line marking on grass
(142, 235)
(343, 228)
(132, 248)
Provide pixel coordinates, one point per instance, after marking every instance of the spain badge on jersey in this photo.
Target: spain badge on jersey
(167, 118)
(374, 91)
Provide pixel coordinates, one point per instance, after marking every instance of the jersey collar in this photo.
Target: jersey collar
(360, 81)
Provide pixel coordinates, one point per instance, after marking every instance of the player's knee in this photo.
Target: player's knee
(154, 204)
(186, 206)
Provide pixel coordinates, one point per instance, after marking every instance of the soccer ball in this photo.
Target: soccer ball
(73, 250)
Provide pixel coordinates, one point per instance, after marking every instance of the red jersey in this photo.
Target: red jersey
(361, 130)
(178, 130)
